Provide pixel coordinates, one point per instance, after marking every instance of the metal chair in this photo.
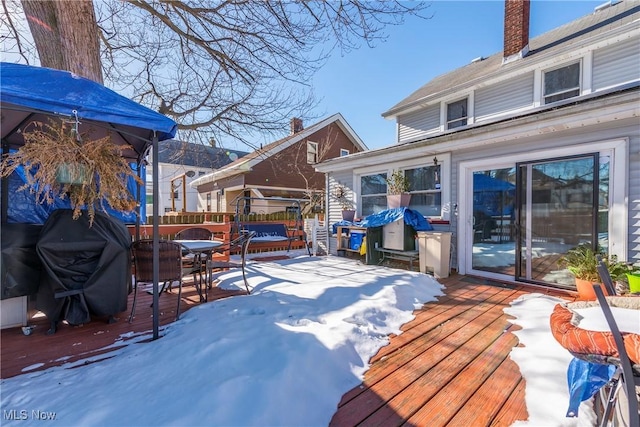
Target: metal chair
(170, 257)
(192, 263)
(625, 380)
(605, 276)
(241, 244)
(194, 233)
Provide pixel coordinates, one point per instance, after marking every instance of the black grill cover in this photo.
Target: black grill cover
(86, 270)
(20, 266)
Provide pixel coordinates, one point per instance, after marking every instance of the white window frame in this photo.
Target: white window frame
(361, 196)
(344, 152)
(449, 121)
(312, 152)
(437, 190)
(545, 96)
(444, 160)
(616, 149)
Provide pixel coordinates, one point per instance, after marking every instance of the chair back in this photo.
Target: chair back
(603, 272)
(194, 233)
(170, 256)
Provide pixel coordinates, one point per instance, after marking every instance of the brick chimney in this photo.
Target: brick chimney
(296, 125)
(516, 29)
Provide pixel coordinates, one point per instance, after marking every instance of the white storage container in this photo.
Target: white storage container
(434, 251)
(13, 312)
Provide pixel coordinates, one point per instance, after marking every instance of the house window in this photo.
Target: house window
(344, 152)
(457, 114)
(312, 152)
(562, 83)
(426, 190)
(373, 193)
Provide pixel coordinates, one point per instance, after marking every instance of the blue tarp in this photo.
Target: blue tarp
(29, 93)
(59, 93)
(584, 380)
(411, 217)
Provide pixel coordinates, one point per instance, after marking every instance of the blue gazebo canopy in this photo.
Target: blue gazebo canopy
(29, 93)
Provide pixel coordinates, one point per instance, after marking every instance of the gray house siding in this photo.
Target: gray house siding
(634, 198)
(505, 96)
(616, 64)
(417, 125)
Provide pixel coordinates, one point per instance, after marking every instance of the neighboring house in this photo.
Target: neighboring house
(179, 163)
(523, 154)
(281, 169)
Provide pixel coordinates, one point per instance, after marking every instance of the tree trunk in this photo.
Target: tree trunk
(66, 35)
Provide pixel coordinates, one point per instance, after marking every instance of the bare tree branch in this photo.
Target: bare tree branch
(234, 70)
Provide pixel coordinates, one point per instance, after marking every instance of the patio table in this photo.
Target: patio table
(198, 248)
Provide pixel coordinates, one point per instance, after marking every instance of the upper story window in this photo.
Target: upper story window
(562, 83)
(457, 114)
(344, 152)
(426, 189)
(373, 193)
(312, 152)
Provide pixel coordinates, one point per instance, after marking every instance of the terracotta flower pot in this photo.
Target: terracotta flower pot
(585, 290)
(398, 200)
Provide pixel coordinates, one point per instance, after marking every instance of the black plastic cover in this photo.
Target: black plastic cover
(86, 270)
(20, 263)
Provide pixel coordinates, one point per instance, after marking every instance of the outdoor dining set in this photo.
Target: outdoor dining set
(193, 251)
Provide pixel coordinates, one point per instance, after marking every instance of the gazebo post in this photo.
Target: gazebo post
(156, 238)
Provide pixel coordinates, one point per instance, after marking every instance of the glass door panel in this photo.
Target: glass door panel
(493, 221)
(557, 210)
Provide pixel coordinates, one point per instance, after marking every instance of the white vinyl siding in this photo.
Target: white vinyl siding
(616, 64)
(344, 178)
(503, 97)
(418, 124)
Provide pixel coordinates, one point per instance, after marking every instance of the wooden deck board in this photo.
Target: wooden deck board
(449, 367)
(465, 326)
(20, 353)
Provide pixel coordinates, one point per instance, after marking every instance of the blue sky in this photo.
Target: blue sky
(367, 82)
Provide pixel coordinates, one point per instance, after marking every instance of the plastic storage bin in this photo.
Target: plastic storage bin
(355, 239)
(434, 251)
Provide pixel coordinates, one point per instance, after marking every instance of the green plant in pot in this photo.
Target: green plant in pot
(397, 190)
(60, 163)
(346, 203)
(582, 261)
(633, 278)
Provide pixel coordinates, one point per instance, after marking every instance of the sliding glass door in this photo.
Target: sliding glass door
(527, 215)
(557, 207)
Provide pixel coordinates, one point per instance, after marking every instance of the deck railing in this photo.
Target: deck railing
(222, 225)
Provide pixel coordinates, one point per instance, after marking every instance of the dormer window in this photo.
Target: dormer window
(457, 114)
(562, 83)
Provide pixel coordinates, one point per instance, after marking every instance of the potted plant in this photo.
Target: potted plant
(633, 278)
(397, 190)
(342, 197)
(582, 261)
(60, 163)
